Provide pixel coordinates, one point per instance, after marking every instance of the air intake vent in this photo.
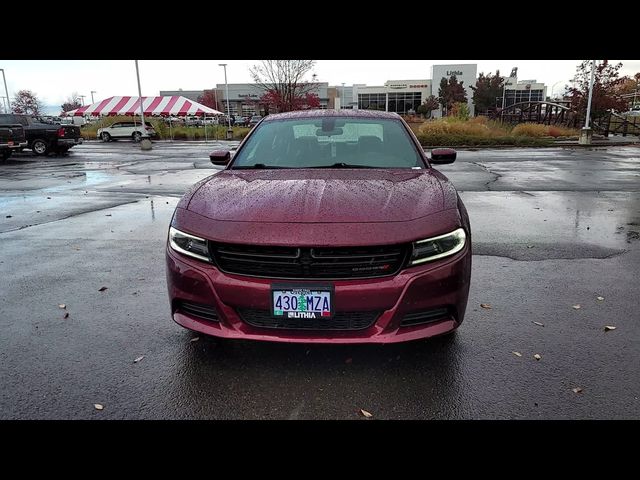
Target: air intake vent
(425, 316)
(198, 310)
(340, 321)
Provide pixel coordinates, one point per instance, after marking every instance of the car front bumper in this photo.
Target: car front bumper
(443, 283)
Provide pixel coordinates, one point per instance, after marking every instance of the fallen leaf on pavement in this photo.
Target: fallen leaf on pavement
(102, 289)
(537, 356)
(576, 307)
(609, 327)
(365, 413)
(9, 216)
(529, 246)
(138, 359)
(348, 360)
(62, 305)
(540, 324)
(66, 315)
(485, 305)
(576, 390)
(600, 299)
(517, 354)
(195, 339)
(97, 406)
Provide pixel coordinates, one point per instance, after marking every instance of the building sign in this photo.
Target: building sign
(398, 86)
(418, 86)
(454, 72)
(247, 95)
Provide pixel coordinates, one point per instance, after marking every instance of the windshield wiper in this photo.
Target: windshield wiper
(255, 166)
(342, 165)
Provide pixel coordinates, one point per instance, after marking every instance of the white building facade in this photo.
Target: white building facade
(464, 72)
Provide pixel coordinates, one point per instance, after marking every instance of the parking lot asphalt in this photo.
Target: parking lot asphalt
(553, 228)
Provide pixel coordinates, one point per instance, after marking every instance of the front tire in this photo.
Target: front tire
(40, 147)
(137, 136)
(105, 136)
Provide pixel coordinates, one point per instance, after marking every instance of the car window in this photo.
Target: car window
(115, 125)
(326, 142)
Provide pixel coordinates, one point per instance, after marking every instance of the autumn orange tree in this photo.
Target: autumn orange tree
(606, 85)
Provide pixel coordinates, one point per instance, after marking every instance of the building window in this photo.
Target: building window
(372, 101)
(518, 96)
(405, 101)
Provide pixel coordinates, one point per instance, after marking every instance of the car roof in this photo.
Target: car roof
(300, 114)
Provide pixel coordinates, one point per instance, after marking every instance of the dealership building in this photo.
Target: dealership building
(400, 96)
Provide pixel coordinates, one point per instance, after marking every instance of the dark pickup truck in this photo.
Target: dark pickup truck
(44, 138)
(11, 138)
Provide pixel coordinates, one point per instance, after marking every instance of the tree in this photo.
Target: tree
(460, 110)
(605, 84)
(488, 88)
(208, 99)
(429, 105)
(25, 101)
(451, 92)
(283, 84)
(71, 103)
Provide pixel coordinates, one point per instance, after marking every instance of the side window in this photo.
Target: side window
(21, 119)
(115, 125)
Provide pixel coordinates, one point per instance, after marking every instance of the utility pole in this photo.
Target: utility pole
(6, 91)
(146, 143)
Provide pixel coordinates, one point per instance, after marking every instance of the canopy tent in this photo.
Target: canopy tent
(165, 106)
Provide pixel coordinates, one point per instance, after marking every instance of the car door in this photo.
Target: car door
(114, 129)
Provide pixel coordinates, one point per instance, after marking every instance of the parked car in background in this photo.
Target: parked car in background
(241, 121)
(193, 122)
(44, 138)
(254, 120)
(11, 138)
(132, 130)
(177, 121)
(325, 227)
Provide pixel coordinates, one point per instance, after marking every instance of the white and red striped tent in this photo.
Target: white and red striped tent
(164, 106)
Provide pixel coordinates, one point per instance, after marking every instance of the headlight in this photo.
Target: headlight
(190, 245)
(438, 247)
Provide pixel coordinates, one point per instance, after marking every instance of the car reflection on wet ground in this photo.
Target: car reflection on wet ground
(553, 229)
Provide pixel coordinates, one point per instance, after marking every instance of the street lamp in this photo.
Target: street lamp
(82, 99)
(145, 145)
(585, 133)
(6, 91)
(92, 92)
(226, 85)
(342, 99)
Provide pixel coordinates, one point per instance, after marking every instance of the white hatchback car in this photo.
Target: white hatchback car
(130, 130)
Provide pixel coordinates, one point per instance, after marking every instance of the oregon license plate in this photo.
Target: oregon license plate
(301, 301)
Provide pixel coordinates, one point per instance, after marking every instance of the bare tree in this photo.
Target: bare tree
(71, 103)
(25, 101)
(283, 82)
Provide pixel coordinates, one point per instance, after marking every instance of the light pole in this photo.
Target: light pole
(146, 145)
(342, 99)
(92, 92)
(585, 133)
(4, 105)
(226, 85)
(82, 99)
(6, 91)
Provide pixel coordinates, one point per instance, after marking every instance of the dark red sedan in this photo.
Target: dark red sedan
(325, 227)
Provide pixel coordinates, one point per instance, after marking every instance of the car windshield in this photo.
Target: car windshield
(329, 142)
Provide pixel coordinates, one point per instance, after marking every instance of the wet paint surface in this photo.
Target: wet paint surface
(543, 242)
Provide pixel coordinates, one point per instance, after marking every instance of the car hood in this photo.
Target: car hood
(317, 196)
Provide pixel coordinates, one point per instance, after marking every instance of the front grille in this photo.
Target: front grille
(340, 321)
(317, 262)
(198, 310)
(426, 316)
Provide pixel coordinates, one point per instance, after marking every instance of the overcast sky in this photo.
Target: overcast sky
(54, 80)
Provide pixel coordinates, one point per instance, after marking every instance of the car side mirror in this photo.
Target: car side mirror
(442, 156)
(220, 157)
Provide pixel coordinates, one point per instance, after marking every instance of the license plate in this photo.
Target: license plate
(289, 301)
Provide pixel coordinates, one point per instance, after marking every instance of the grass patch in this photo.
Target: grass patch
(480, 131)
